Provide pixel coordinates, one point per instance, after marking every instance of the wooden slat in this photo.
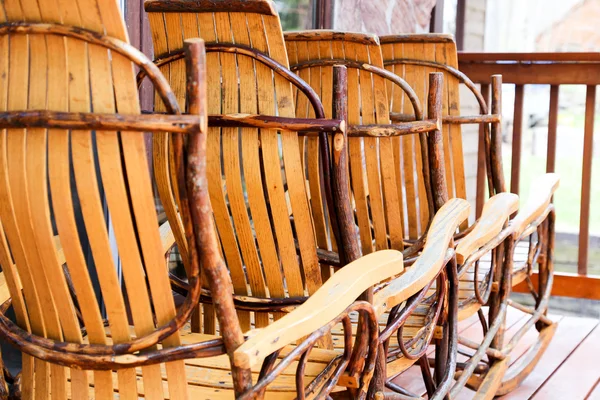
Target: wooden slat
(359, 179)
(544, 73)
(408, 143)
(552, 128)
(515, 170)
(586, 181)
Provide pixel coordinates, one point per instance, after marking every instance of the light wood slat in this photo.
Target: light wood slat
(89, 197)
(9, 271)
(395, 96)
(321, 80)
(421, 86)
(217, 195)
(371, 155)
(458, 164)
(389, 179)
(293, 171)
(17, 216)
(140, 187)
(251, 163)
(271, 170)
(408, 145)
(231, 166)
(357, 159)
(48, 57)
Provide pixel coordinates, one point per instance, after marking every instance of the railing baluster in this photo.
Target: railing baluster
(481, 169)
(552, 126)
(515, 173)
(586, 180)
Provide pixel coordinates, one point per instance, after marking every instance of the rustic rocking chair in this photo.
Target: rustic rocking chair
(57, 67)
(398, 182)
(530, 232)
(248, 75)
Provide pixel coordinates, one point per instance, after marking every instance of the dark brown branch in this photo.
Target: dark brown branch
(450, 119)
(239, 49)
(309, 126)
(406, 88)
(204, 241)
(102, 122)
(125, 49)
(453, 71)
(201, 6)
(400, 129)
(436, 151)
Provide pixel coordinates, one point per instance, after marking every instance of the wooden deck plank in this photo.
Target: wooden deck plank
(580, 367)
(573, 347)
(570, 332)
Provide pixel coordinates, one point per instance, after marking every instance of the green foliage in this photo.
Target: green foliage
(294, 14)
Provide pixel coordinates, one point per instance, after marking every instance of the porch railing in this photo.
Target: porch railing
(554, 69)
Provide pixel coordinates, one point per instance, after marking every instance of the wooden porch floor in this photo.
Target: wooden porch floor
(568, 370)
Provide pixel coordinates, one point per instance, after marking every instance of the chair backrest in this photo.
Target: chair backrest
(386, 174)
(261, 207)
(413, 57)
(51, 179)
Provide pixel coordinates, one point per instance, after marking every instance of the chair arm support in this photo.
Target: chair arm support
(540, 197)
(496, 212)
(332, 299)
(430, 261)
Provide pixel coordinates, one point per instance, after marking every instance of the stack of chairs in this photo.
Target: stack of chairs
(313, 185)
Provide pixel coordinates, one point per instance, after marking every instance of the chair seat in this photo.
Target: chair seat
(468, 304)
(210, 378)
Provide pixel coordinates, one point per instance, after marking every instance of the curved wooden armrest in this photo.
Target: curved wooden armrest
(166, 237)
(496, 211)
(540, 197)
(339, 292)
(428, 264)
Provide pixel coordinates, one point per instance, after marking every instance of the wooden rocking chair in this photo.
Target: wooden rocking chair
(59, 63)
(400, 179)
(248, 75)
(530, 232)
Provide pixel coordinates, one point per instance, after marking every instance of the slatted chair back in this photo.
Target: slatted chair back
(413, 57)
(386, 174)
(261, 207)
(53, 179)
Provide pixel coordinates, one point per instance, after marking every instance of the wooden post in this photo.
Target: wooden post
(496, 137)
(435, 141)
(200, 210)
(339, 173)
(552, 128)
(586, 180)
(515, 169)
(481, 160)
